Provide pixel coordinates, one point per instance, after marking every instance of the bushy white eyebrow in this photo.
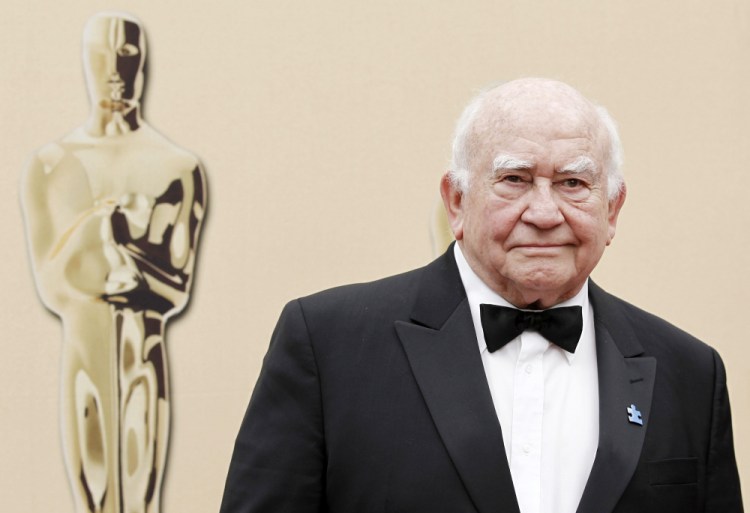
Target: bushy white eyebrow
(506, 162)
(582, 164)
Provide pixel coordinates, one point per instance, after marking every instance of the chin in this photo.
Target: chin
(544, 279)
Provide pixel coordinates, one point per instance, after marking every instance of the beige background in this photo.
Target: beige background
(324, 127)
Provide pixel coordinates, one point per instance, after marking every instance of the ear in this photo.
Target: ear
(615, 204)
(453, 202)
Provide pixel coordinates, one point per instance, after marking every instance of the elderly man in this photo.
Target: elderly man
(499, 378)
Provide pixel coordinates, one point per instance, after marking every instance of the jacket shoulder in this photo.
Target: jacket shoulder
(657, 336)
(389, 297)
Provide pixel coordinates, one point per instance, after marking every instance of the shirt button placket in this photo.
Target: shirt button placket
(526, 435)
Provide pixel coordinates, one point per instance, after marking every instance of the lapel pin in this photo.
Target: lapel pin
(634, 416)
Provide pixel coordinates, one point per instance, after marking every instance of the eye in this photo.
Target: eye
(576, 189)
(127, 50)
(572, 183)
(512, 179)
(510, 185)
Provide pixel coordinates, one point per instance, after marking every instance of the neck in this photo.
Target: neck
(536, 300)
(107, 122)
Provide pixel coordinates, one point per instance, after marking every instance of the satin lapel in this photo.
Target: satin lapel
(448, 368)
(625, 379)
(442, 350)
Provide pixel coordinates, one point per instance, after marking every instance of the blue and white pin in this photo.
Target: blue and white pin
(634, 416)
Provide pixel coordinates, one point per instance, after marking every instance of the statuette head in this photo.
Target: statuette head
(114, 54)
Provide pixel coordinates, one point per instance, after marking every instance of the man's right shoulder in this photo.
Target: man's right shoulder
(385, 297)
(427, 294)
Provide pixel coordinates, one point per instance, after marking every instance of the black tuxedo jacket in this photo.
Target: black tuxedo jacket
(373, 398)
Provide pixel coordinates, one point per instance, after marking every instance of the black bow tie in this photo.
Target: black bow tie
(561, 326)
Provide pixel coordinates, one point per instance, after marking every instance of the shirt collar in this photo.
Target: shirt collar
(478, 292)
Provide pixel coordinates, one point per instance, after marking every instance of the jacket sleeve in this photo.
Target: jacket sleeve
(723, 483)
(278, 464)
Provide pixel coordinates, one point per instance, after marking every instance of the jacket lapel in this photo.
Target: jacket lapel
(442, 351)
(625, 378)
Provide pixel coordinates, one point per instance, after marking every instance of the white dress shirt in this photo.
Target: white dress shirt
(547, 401)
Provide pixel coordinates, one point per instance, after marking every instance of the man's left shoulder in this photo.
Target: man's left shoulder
(657, 336)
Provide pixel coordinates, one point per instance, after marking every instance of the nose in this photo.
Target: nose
(542, 210)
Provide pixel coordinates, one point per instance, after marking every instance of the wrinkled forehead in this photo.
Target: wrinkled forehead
(112, 32)
(537, 110)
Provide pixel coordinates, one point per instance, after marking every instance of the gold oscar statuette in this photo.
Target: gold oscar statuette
(113, 211)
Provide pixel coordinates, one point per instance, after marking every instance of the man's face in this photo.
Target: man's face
(114, 54)
(536, 217)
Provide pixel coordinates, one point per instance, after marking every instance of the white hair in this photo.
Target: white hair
(461, 157)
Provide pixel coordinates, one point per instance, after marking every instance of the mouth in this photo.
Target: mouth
(115, 105)
(116, 86)
(540, 249)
